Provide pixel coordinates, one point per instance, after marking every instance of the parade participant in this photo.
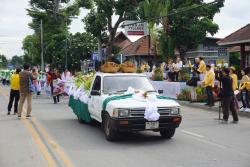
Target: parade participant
(66, 75)
(47, 89)
(4, 78)
(14, 92)
(38, 86)
(235, 85)
(35, 84)
(8, 79)
(244, 91)
(54, 76)
(24, 89)
(209, 83)
(228, 96)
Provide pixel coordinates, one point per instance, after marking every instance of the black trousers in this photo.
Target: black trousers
(14, 94)
(8, 82)
(4, 81)
(229, 104)
(175, 73)
(210, 95)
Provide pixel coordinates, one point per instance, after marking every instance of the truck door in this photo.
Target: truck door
(95, 100)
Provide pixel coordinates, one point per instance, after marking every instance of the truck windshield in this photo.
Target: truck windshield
(115, 84)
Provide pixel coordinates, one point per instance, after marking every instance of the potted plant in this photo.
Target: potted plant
(158, 75)
(138, 71)
(110, 67)
(128, 67)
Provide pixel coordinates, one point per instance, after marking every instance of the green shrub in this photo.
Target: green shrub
(184, 70)
(158, 74)
(139, 71)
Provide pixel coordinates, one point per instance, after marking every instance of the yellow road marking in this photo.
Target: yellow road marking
(54, 145)
(38, 140)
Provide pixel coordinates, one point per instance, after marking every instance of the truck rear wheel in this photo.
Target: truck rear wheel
(167, 134)
(110, 134)
(81, 121)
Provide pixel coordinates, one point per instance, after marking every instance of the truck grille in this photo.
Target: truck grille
(140, 112)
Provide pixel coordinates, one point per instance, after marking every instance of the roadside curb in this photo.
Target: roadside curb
(214, 108)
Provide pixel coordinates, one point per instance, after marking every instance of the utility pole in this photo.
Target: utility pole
(66, 42)
(42, 64)
(100, 50)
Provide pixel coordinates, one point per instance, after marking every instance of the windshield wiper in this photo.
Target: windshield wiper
(151, 91)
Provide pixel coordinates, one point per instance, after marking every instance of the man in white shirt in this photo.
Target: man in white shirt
(178, 67)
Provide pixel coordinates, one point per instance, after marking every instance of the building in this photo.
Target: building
(210, 51)
(238, 49)
(240, 39)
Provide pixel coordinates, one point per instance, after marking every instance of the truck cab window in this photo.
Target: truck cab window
(97, 83)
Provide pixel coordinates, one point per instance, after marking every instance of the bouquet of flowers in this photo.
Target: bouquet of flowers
(158, 75)
(110, 64)
(129, 64)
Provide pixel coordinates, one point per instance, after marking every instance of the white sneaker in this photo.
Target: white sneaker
(34, 97)
(242, 109)
(49, 96)
(223, 121)
(247, 110)
(45, 96)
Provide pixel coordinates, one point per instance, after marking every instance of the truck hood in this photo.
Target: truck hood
(131, 103)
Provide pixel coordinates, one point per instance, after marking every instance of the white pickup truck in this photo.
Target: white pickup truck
(127, 115)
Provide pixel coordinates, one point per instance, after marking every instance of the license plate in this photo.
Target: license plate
(152, 125)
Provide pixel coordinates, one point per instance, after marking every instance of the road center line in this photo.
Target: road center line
(191, 133)
(51, 141)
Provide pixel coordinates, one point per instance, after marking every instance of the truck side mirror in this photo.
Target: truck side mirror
(160, 91)
(94, 93)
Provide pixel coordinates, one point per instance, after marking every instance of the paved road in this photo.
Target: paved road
(58, 139)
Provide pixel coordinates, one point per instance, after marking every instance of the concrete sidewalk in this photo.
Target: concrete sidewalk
(214, 108)
(17, 144)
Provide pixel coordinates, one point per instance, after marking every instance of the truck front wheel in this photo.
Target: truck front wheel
(167, 134)
(81, 121)
(110, 134)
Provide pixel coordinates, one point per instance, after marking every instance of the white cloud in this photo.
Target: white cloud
(14, 22)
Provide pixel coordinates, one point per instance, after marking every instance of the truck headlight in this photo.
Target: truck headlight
(174, 111)
(123, 112)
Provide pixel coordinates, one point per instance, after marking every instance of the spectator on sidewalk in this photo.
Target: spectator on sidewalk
(24, 89)
(14, 92)
(193, 84)
(35, 84)
(209, 83)
(243, 88)
(235, 85)
(228, 96)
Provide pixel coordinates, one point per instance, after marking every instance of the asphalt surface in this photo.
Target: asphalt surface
(200, 141)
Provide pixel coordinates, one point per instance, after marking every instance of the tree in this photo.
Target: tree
(188, 29)
(234, 58)
(4, 62)
(101, 17)
(17, 61)
(54, 24)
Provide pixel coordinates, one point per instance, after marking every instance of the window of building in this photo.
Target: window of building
(222, 51)
(208, 48)
(208, 54)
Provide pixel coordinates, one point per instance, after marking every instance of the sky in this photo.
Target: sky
(14, 23)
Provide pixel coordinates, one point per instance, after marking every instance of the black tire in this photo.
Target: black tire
(110, 134)
(81, 121)
(167, 134)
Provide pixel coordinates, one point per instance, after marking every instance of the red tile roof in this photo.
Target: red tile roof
(237, 48)
(139, 47)
(240, 36)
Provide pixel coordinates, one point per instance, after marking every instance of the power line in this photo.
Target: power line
(143, 21)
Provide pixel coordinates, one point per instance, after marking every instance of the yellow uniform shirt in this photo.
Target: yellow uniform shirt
(15, 82)
(235, 79)
(202, 67)
(242, 84)
(209, 78)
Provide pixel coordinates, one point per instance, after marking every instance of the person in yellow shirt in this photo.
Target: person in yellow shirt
(243, 88)
(202, 66)
(234, 85)
(209, 83)
(14, 93)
